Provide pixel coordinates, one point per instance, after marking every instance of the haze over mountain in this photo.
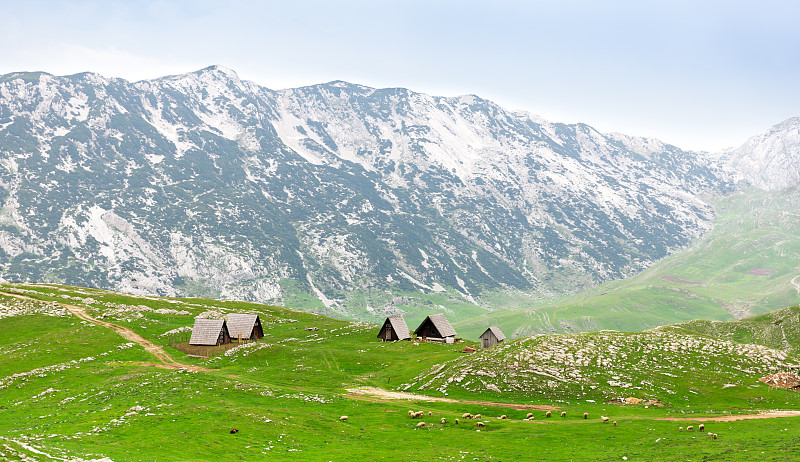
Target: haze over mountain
(367, 200)
(769, 160)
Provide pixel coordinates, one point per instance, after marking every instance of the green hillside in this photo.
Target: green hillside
(79, 381)
(748, 264)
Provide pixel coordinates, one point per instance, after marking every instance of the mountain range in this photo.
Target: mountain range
(340, 198)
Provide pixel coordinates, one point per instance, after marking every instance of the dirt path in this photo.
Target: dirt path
(732, 417)
(796, 284)
(165, 359)
(378, 394)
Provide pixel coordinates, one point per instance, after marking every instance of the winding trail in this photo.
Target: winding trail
(796, 284)
(379, 394)
(164, 358)
(732, 417)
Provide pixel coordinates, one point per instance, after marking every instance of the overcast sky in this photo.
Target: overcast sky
(697, 74)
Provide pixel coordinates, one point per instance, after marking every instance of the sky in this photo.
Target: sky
(702, 75)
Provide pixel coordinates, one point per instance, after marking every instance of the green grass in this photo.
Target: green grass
(755, 232)
(286, 393)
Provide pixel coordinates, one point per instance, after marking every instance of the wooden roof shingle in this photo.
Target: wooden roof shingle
(442, 325)
(497, 333)
(241, 323)
(206, 331)
(400, 327)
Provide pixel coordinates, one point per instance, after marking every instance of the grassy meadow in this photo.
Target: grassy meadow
(72, 390)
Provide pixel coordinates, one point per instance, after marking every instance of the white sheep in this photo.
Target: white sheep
(604, 418)
(343, 418)
(503, 416)
(444, 421)
(548, 414)
(411, 414)
(456, 421)
(701, 427)
(420, 414)
(430, 413)
(585, 415)
(477, 416)
(530, 414)
(421, 424)
(466, 415)
(615, 423)
(690, 428)
(680, 429)
(563, 413)
(480, 424)
(714, 436)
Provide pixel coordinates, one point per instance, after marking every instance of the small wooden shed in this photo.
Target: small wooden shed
(492, 337)
(394, 328)
(435, 326)
(210, 332)
(248, 325)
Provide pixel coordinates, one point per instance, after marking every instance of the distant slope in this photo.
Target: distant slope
(777, 329)
(748, 264)
(769, 160)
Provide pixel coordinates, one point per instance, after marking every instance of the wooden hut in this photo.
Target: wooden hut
(246, 325)
(435, 326)
(492, 337)
(210, 332)
(394, 328)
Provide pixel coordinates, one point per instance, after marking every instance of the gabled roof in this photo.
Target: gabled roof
(399, 325)
(497, 333)
(206, 331)
(241, 322)
(442, 325)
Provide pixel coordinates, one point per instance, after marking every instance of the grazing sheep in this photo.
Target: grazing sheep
(530, 414)
(430, 413)
(444, 421)
(548, 414)
(503, 416)
(605, 419)
(615, 423)
(714, 436)
(680, 429)
(343, 418)
(466, 415)
(701, 427)
(234, 431)
(477, 416)
(585, 415)
(411, 414)
(421, 424)
(710, 434)
(480, 424)
(690, 428)
(563, 413)
(456, 421)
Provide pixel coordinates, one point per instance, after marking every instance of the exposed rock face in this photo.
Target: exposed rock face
(204, 184)
(770, 160)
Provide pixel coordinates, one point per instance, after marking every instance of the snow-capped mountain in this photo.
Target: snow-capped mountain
(205, 184)
(769, 160)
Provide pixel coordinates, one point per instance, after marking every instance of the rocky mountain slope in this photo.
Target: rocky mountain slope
(334, 197)
(769, 160)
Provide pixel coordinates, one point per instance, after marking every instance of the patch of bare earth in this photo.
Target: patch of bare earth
(386, 395)
(732, 417)
(761, 272)
(677, 280)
